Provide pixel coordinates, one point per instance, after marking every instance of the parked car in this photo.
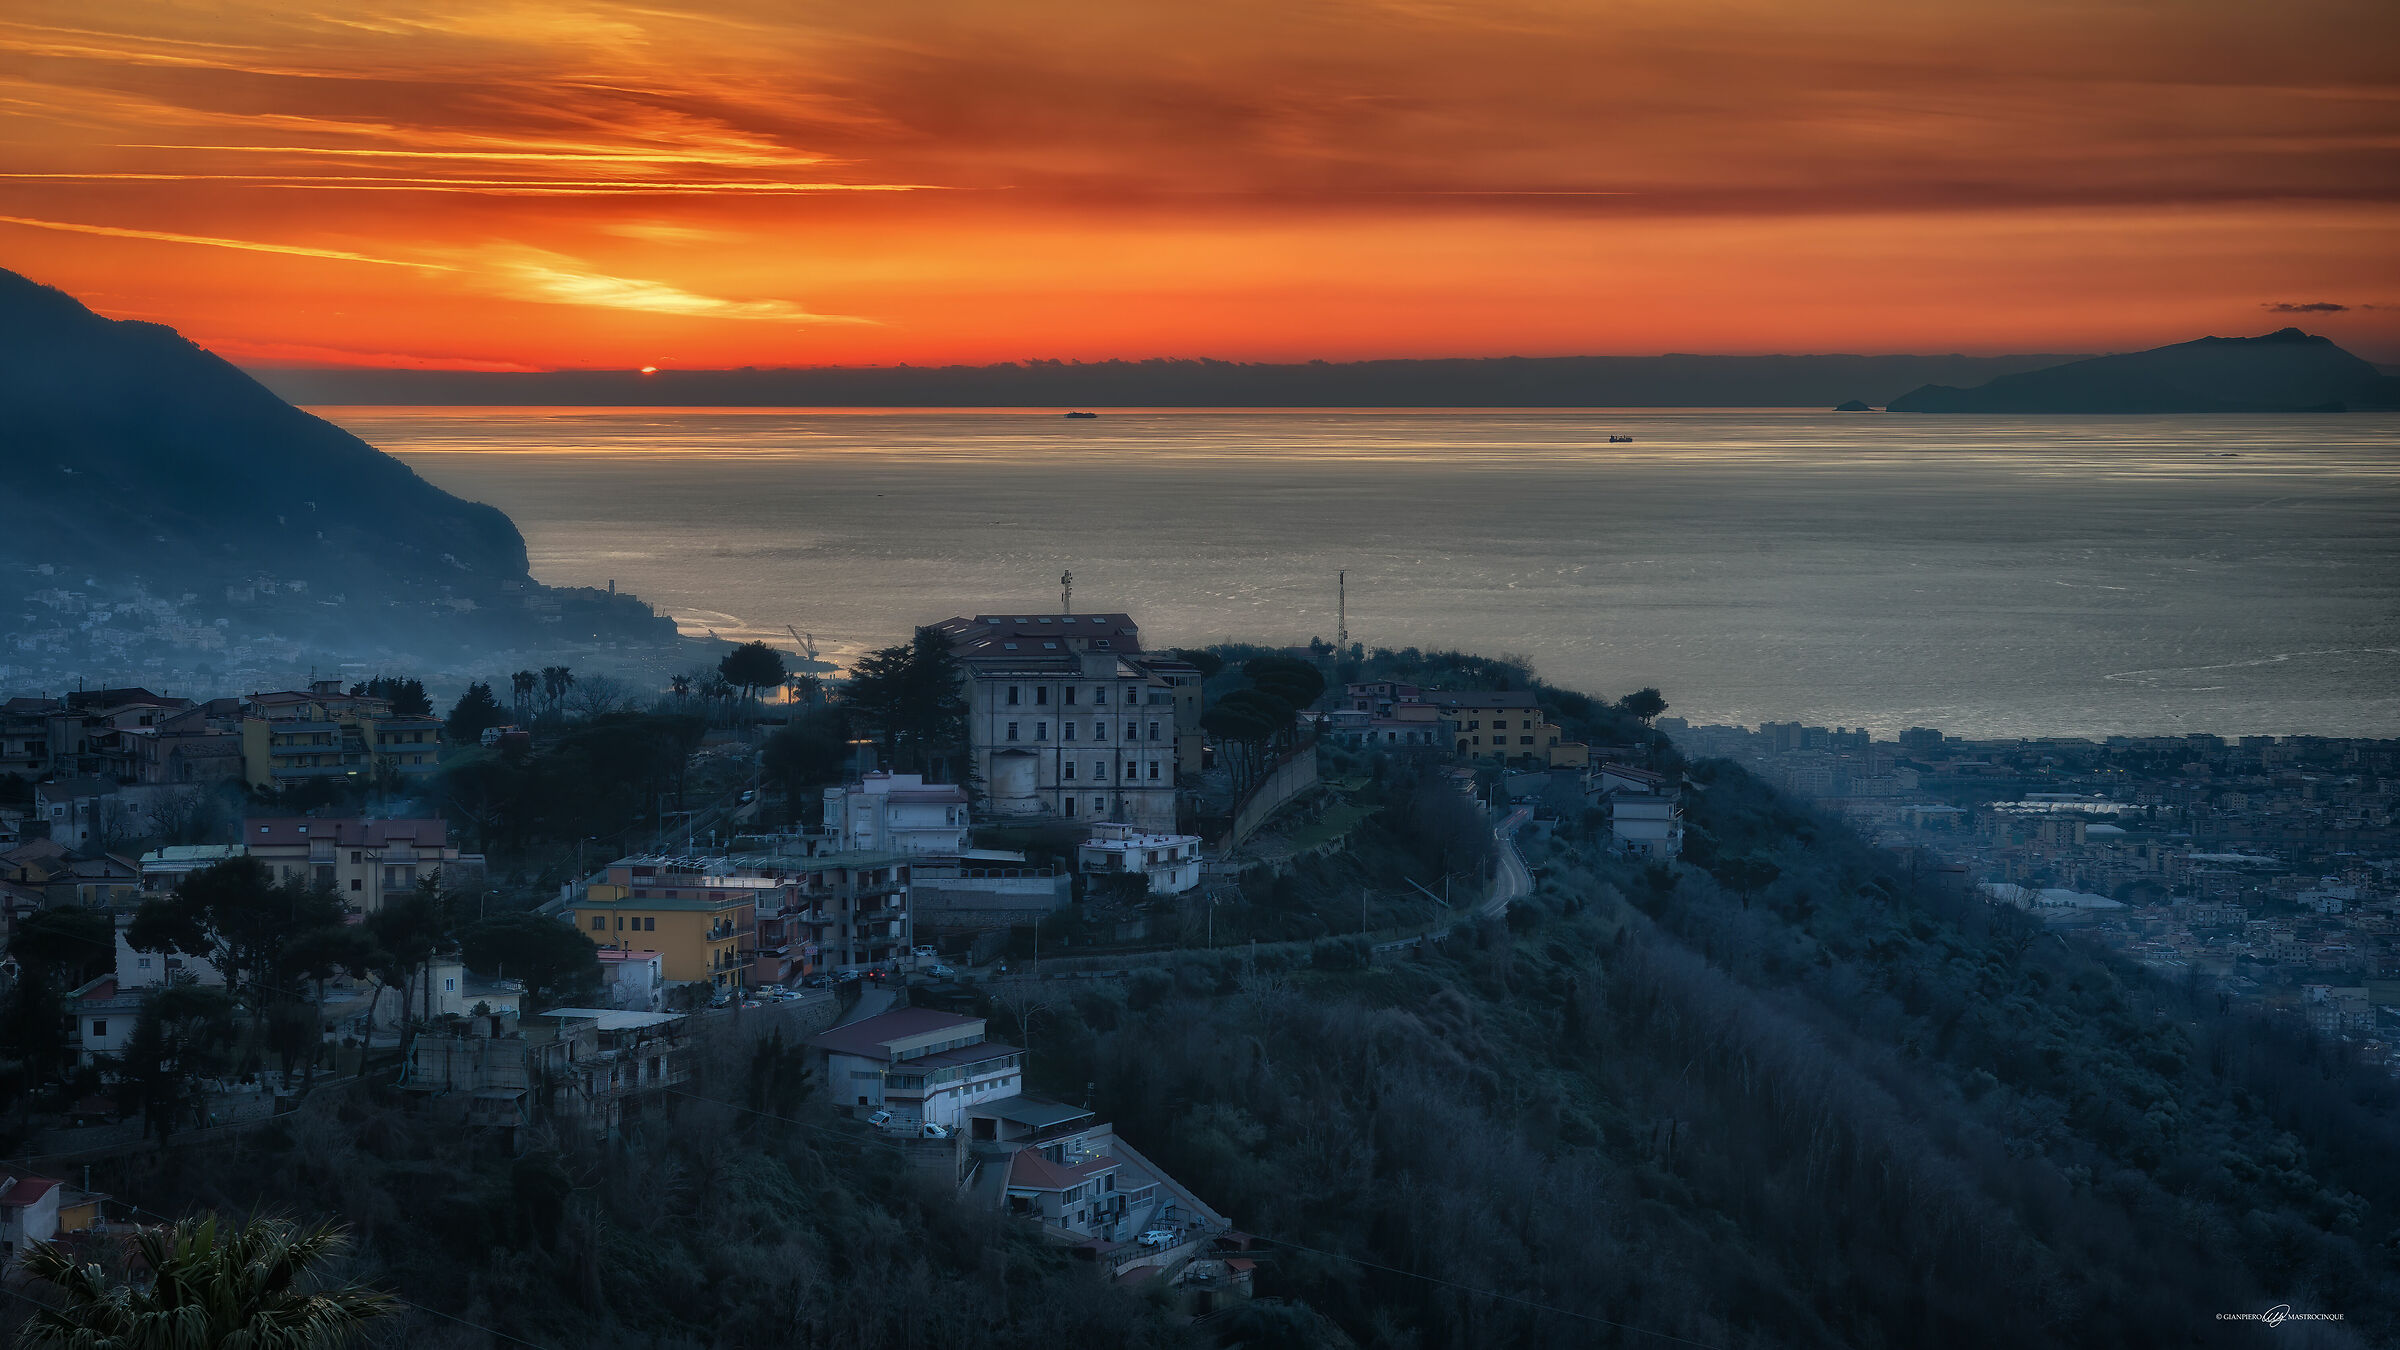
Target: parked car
(924, 953)
(817, 981)
(752, 1003)
(1159, 1237)
(929, 1130)
(940, 971)
(880, 1119)
(748, 796)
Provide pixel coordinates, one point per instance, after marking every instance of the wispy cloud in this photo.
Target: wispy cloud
(211, 241)
(507, 187)
(533, 274)
(2312, 307)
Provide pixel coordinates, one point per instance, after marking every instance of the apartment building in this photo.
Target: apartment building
(583, 1068)
(1506, 725)
(364, 862)
(737, 922)
(1069, 718)
(322, 732)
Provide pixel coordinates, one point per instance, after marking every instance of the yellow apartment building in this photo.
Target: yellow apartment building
(704, 928)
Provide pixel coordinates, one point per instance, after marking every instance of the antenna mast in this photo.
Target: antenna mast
(1066, 592)
(1341, 610)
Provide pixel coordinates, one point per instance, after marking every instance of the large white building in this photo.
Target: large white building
(923, 1065)
(897, 813)
(1068, 718)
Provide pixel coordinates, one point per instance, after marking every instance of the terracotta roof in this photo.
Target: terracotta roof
(23, 1191)
(1031, 1171)
(868, 1037)
(347, 831)
(1124, 637)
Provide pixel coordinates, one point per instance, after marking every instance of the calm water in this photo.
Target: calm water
(1991, 576)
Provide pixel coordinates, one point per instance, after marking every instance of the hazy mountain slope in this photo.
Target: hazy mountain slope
(168, 518)
(133, 451)
(2284, 371)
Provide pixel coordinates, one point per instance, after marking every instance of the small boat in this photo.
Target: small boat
(1620, 440)
(1082, 414)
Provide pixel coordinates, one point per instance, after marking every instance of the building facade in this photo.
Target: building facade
(1068, 718)
(300, 736)
(364, 862)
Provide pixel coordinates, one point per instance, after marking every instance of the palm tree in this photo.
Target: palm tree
(251, 1285)
(556, 681)
(523, 682)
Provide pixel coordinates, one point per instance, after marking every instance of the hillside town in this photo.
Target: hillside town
(2267, 868)
(869, 918)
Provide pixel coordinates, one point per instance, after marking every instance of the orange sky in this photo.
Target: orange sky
(768, 182)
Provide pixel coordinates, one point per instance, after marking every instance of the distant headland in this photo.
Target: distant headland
(2286, 371)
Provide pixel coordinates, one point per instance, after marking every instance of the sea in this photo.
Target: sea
(1989, 576)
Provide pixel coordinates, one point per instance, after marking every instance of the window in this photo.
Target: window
(1130, 770)
(1099, 731)
(1012, 696)
(1012, 731)
(143, 962)
(1041, 731)
(1066, 731)
(1067, 805)
(1099, 770)
(356, 856)
(599, 923)
(1068, 697)
(1154, 731)
(450, 984)
(1068, 771)
(1525, 740)
(1041, 695)
(620, 923)
(1100, 695)
(357, 884)
(99, 1026)
(649, 925)
(1154, 768)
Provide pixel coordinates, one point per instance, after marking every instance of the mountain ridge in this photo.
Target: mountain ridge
(2285, 371)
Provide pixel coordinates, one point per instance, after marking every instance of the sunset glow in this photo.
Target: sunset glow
(493, 185)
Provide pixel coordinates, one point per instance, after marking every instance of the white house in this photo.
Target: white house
(163, 869)
(105, 1012)
(898, 813)
(1170, 861)
(635, 981)
(455, 992)
(148, 970)
(925, 1066)
(28, 1211)
(1645, 824)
